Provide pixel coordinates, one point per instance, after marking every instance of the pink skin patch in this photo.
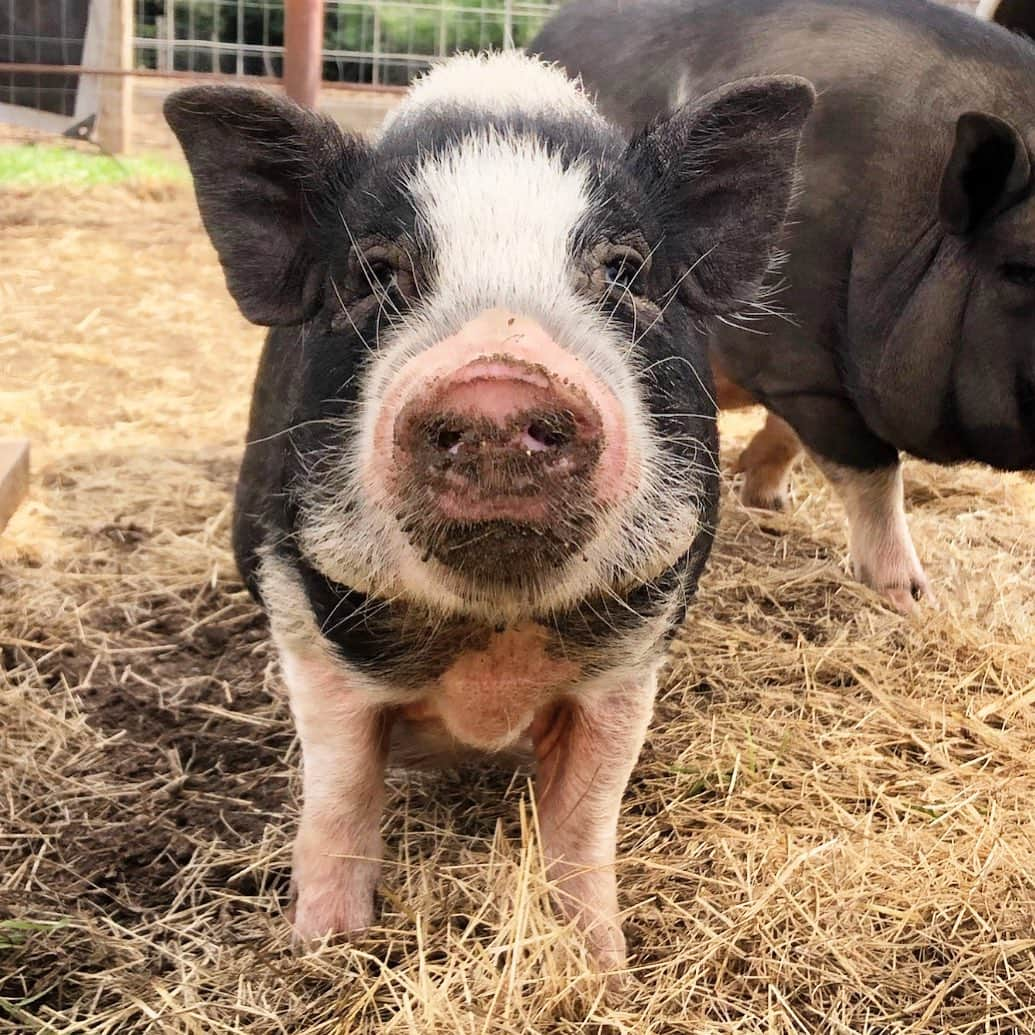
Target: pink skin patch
(585, 750)
(489, 699)
(458, 506)
(497, 365)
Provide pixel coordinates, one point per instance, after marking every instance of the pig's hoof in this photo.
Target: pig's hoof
(606, 944)
(760, 491)
(319, 914)
(905, 600)
(903, 594)
(763, 499)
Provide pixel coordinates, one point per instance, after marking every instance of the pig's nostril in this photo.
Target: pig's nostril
(540, 435)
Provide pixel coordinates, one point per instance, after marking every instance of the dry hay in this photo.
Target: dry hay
(829, 830)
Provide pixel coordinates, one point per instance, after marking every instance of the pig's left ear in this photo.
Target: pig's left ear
(723, 171)
(263, 168)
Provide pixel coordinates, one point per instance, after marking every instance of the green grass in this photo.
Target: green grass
(32, 165)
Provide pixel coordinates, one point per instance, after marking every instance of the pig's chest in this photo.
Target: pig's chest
(488, 695)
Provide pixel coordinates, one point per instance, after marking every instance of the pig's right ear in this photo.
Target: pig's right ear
(263, 170)
(723, 170)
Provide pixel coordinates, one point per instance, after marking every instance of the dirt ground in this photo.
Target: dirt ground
(829, 831)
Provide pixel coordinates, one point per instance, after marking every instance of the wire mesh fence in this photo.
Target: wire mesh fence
(376, 42)
(381, 42)
(365, 41)
(42, 32)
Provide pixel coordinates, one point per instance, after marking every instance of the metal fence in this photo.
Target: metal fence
(43, 32)
(365, 41)
(378, 42)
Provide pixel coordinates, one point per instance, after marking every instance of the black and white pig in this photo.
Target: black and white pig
(480, 478)
(912, 251)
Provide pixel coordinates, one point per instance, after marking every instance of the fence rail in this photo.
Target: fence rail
(22, 68)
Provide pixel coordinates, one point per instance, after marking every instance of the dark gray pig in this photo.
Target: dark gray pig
(480, 480)
(912, 251)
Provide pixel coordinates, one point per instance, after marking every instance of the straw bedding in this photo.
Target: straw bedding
(829, 831)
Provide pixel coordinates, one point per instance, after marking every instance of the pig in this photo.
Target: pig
(908, 320)
(480, 478)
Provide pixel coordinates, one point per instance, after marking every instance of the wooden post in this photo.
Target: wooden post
(115, 92)
(88, 86)
(14, 477)
(303, 50)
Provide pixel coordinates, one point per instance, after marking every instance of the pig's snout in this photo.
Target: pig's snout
(500, 451)
(499, 438)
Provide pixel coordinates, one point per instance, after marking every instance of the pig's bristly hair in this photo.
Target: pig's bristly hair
(502, 85)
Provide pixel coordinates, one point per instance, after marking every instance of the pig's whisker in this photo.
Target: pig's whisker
(377, 289)
(325, 627)
(552, 617)
(289, 430)
(697, 374)
(628, 291)
(670, 296)
(739, 326)
(624, 604)
(604, 619)
(413, 273)
(345, 310)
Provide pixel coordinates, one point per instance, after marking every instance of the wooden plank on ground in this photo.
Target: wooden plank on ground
(14, 476)
(30, 118)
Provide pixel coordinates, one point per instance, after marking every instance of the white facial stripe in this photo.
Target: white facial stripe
(500, 84)
(500, 213)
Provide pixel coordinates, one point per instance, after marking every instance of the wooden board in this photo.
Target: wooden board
(30, 118)
(14, 476)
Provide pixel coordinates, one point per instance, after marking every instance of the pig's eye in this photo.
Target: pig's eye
(379, 274)
(619, 275)
(377, 268)
(622, 270)
(1020, 273)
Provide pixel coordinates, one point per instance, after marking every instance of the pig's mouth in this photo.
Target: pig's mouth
(502, 552)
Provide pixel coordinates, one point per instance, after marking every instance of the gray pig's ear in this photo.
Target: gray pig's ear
(263, 168)
(987, 172)
(723, 172)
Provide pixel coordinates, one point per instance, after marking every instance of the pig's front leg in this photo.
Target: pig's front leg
(883, 555)
(585, 751)
(337, 855)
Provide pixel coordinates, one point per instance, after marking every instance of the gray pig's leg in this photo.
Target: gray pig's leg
(766, 465)
(584, 756)
(337, 855)
(883, 555)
